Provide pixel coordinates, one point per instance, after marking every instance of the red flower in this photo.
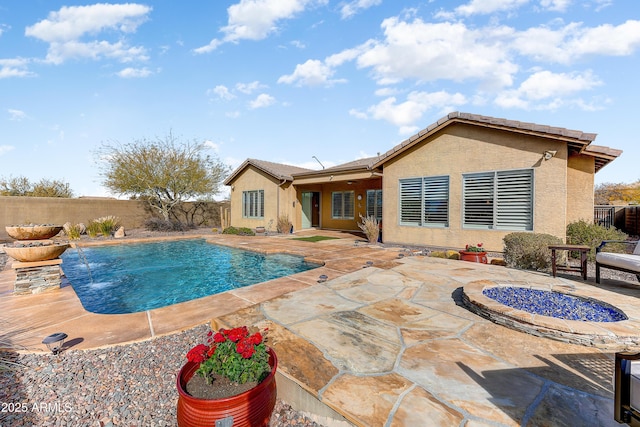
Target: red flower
(479, 245)
(218, 338)
(237, 334)
(245, 348)
(255, 338)
(198, 354)
(211, 350)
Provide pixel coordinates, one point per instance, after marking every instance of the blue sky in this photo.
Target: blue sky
(285, 80)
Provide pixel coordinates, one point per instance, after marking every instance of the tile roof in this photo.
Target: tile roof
(577, 141)
(277, 170)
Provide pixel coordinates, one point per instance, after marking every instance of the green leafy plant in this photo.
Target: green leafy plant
(234, 353)
(590, 234)
(529, 251)
(474, 248)
(108, 224)
(370, 227)
(239, 231)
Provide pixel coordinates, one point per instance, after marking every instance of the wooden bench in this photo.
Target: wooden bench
(629, 263)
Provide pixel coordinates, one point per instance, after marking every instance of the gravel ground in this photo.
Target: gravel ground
(128, 385)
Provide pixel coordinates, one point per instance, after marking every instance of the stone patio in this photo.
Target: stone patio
(390, 344)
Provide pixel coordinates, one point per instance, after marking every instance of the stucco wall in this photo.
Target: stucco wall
(52, 210)
(463, 149)
(580, 188)
(278, 199)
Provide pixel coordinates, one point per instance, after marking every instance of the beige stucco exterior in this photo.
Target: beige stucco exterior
(461, 149)
(279, 198)
(563, 183)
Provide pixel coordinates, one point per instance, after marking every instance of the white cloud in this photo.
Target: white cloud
(6, 148)
(428, 52)
(405, 114)
(573, 41)
(547, 90)
(353, 7)
(64, 29)
(212, 145)
(16, 115)
(129, 73)
(14, 68)
(311, 73)
(485, 7)
(257, 19)
(263, 100)
(555, 5)
(221, 92)
(249, 88)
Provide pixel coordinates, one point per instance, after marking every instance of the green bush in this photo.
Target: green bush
(529, 251)
(93, 229)
(73, 232)
(589, 234)
(239, 231)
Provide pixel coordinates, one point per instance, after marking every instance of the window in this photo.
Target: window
(424, 201)
(501, 200)
(342, 206)
(253, 204)
(374, 203)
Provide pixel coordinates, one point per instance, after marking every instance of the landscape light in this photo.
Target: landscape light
(323, 278)
(55, 341)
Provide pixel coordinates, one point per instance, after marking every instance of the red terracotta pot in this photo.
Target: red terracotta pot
(248, 409)
(474, 256)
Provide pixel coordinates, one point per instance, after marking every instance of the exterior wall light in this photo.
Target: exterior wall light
(548, 155)
(55, 341)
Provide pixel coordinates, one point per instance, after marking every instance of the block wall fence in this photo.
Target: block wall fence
(16, 210)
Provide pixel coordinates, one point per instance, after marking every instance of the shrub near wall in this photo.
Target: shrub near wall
(529, 251)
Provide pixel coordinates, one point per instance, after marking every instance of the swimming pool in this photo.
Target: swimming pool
(129, 278)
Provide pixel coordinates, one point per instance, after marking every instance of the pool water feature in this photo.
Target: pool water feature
(129, 278)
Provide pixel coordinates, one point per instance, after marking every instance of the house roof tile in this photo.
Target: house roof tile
(576, 140)
(277, 170)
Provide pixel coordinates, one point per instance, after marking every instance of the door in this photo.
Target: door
(310, 209)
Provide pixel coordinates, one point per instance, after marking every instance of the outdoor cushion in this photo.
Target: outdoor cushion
(625, 261)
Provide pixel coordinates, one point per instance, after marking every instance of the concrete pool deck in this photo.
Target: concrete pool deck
(389, 344)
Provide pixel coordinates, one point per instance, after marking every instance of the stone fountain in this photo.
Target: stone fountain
(37, 257)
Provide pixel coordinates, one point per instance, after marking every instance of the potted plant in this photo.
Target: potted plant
(474, 253)
(230, 379)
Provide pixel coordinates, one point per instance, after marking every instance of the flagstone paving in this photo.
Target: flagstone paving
(387, 345)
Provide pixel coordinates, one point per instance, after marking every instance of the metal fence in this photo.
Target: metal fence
(624, 218)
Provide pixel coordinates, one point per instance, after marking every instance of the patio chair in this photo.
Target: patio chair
(629, 263)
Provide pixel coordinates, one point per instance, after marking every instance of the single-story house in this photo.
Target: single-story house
(465, 179)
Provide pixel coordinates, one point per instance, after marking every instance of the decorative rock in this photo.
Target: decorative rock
(119, 234)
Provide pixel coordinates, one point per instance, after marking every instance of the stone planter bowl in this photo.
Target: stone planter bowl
(41, 252)
(32, 232)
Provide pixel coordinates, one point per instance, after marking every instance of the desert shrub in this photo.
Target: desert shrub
(93, 229)
(239, 231)
(164, 225)
(283, 225)
(108, 224)
(590, 234)
(529, 251)
(371, 228)
(73, 231)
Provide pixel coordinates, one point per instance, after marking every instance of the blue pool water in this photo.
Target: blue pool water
(554, 304)
(129, 278)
